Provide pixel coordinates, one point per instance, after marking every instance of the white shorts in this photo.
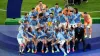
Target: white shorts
(34, 27)
(73, 25)
(21, 40)
(70, 38)
(61, 42)
(61, 24)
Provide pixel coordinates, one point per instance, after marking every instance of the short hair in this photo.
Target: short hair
(85, 13)
(30, 29)
(76, 10)
(25, 21)
(33, 8)
(34, 16)
(41, 14)
(57, 30)
(46, 6)
(56, 4)
(40, 1)
(25, 14)
(51, 13)
(38, 29)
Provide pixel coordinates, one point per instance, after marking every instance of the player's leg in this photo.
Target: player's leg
(54, 44)
(52, 41)
(35, 45)
(57, 49)
(90, 29)
(29, 44)
(85, 25)
(68, 46)
(42, 50)
(84, 46)
(46, 44)
(61, 47)
(73, 41)
(77, 44)
(21, 45)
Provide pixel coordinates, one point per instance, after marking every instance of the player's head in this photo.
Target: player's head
(85, 14)
(43, 10)
(71, 12)
(26, 22)
(60, 13)
(75, 10)
(26, 14)
(38, 29)
(41, 15)
(29, 29)
(40, 3)
(72, 28)
(25, 28)
(56, 30)
(56, 5)
(51, 14)
(79, 24)
(46, 7)
(33, 9)
(34, 17)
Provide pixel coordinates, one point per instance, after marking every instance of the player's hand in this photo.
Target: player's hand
(76, 39)
(34, 36)
(52, 44)
(27, 39)
(80, 40)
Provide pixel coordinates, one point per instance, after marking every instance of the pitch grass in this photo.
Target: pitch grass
(92, 5)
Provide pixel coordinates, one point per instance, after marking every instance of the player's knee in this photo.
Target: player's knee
(22, 45)
(60, 46)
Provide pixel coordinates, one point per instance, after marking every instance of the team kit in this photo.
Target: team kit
(54, 25)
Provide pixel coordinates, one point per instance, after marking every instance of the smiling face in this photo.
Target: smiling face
(60, 14)
(51, 15)
(85, 15)
(79, 24)
(40, 3)
(70, 13)
(43, 10)
(26, 14)
(33, 10)
(56, 6)
(39, 30)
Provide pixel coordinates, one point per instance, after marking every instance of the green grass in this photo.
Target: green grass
(92, 5)
(3, 4)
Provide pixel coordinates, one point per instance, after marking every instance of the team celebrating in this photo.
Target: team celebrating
(54, 25)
